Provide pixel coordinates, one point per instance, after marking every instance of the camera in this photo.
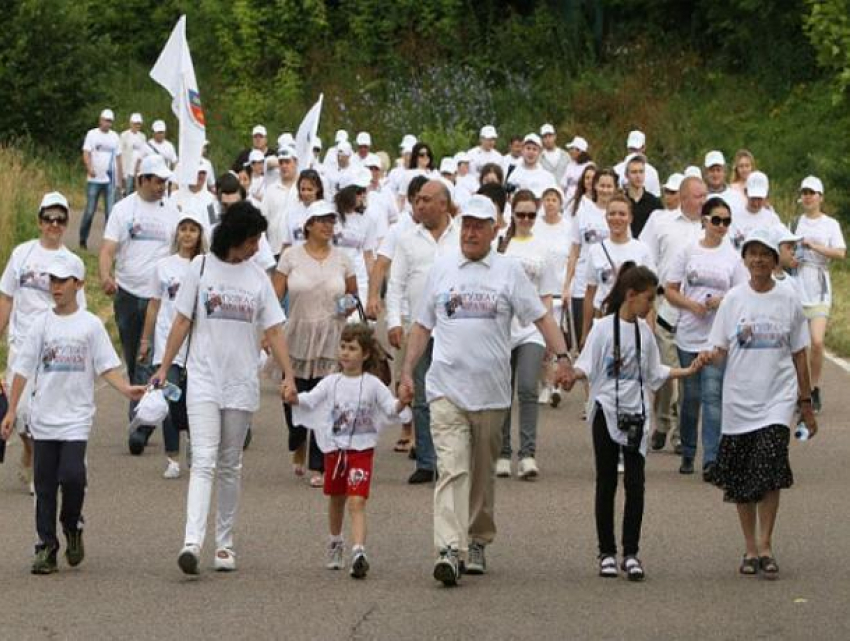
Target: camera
(632, 425)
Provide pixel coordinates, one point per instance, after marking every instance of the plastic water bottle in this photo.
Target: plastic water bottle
(171, 392)
(801, 433)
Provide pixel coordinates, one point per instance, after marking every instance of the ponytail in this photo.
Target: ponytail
(630, 277)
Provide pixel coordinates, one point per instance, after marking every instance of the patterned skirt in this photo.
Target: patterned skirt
(750, 465)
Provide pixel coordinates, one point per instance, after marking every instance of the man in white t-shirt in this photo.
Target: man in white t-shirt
(486, 151)
(331, 157)
(281, 198)
(196, 198)
(553, 159)
(158, 146)
(467, 303)
(132, 142)
(636, 144)
(755, 215)
(138, 235)
(364, 147)
(715, 181)
(102, 159)
(530, 175)
(513, 158)
(465, 183)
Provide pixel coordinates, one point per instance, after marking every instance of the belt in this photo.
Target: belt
(663, 323)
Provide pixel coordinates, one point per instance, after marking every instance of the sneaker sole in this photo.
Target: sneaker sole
(44, 570)
(475, 569)
(445, 574)
(529, 476)
(555, 401)
(188, 562)
(360, 568)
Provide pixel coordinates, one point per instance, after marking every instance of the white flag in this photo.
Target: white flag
(306, 135)
(174, 71)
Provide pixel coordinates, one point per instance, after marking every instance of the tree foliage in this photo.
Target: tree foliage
(828, 27)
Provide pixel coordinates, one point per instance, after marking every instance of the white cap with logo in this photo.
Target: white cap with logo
(66, 265)
(714, 158)
(761, 235)
(53, 199)
(154, 165)
(488, 132)
(636, 139)
(480, 207)
(758, 185)
(578, 143)
(287, 153)
(318, 209)
(812, 182)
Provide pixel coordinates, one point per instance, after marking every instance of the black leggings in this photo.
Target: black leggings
(298, 433)
(55, 464)
(607, 454)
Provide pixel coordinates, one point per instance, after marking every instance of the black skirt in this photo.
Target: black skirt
(750, 465)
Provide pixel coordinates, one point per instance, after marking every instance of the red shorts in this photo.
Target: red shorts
(348, 473)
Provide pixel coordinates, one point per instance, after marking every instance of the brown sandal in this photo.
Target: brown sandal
(749, 566)
(768, 567)
(402, 445)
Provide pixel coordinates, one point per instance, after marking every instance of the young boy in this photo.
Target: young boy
(64, 351)
(346, 412)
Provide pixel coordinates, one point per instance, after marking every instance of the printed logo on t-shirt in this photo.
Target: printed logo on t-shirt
(606, 275)
(760, 334)
(298, 234)
(592, 236)
(64, 355)
(170, 287)
(628, 366)
(147, 229)
(226, 303)
(30, 278)
(351, 419)
(465, 303)
(348, 237)
(709, 279)
(738, 238)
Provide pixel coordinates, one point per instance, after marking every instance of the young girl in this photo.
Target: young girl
(65, 350)
(620, 359)
(310, 190)
(188, 243)
(347, 410)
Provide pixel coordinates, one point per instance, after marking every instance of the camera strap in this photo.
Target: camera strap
(194, 315)
(618, 363)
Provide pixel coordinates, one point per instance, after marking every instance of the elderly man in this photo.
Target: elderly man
(102, 158)
(468, 303)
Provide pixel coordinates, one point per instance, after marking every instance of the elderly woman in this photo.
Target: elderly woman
(317, 276)
(761, 331)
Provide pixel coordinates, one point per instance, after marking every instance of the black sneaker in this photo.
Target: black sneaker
(708, 472)
(139, 439)
(446, 569)
(422, 476)
(75, 551)
(659, 440)
(44, 561)
(816, 404)
(687, 466)
(677, 449)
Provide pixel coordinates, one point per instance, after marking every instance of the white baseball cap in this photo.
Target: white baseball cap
(758, 185)
(371, 160)
(136, 118)
(158, 126)
(259, 130)
(533, 139)
(408, 139)
(344, 148)
(190, 213)
(317, 209)
(53, 199)
(364, 139)
(578, 143)
(781, 234)
(547, 129)
(154, 165)
(256, 156)
(66, 265)
(151, 409)
(761, 235)
(488, 131)
(341, 134)
(812, 182)
(448, 165)
(360, 177)
(674, 182)
(285, 140)
(286, 153)
(636, 139)
(107, 114)
(480, 207)
(713, 158)
(462, 156)
(692, 171)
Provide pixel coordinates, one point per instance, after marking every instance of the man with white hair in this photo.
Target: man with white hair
(102, 159)
(281, 198)
(530, 175)
(132, 143)
(715, 182)
(486, 151)
(636, 144)
(553, 159)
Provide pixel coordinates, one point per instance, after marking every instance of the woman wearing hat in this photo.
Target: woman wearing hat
(317, 276)
(761, 332)
(822, 242)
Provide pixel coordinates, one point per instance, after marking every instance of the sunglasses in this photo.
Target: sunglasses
(54, 220)
(525, 215)
(717, 221)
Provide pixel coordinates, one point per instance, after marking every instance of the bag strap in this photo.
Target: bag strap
(795, 222)
(195, 309)
(608, 256)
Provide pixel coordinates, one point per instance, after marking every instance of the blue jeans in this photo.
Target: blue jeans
(129, 185)
(130, 313)
(93, 193)
(703, 389)
(426, 458)
(176, 418)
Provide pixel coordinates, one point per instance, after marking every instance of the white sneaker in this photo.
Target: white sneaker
(527, 468)
(172, 471)
(621, 465)
(545, 396)
(189, 559)
(503, 468)
(359, 564)
(335, 552)
(225, 560)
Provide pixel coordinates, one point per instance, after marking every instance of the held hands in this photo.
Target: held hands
(405, 389)
(288, 392)
(807, 415)
(7, 425)
(565, 375)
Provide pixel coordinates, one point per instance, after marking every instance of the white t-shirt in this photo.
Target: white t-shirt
(735, 198)
(168, 275)
(144, 232)
(813, 272)
(234, 303)
(600, 271)
(104, 147)
(388, 244)
(535, 179)
(746, 222)
(26, 282)
(381, 206)
(479, 157)
(588, 228)
(293, 228)
(760, 331)
(164, 149)
(572, 176)
(597, 362)
(348, 412)
(558, 240)
(702, 273)
(201, 202)
(468, 305)
(354, 237)
(63, 355)
(533, 254)
(132, 143)
(278, 202)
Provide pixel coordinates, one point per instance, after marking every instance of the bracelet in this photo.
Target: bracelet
(805, 400)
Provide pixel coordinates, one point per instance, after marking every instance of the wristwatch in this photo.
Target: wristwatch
(563, 355)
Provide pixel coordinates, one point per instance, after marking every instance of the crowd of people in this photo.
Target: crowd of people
(486, 275)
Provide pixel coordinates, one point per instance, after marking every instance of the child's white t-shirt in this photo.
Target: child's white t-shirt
(348, 412)
(62, 356)
(168, 276)
(602, 273)
(557, 238)
(744, 222)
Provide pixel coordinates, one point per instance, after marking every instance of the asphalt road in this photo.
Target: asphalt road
(542, 581)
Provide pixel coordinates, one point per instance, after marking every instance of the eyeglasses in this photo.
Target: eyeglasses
(525, 215)
(721, 220)
(54, 220)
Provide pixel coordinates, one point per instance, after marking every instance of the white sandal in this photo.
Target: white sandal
(608, 566)
(633, 568)
(225, 560)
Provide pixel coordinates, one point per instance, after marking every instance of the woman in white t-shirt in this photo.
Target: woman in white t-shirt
(583, 190)
(225, 300)
(697, 281)
(167, 276)
(621, 360)
(310, 190)
(579, 160)
(255, 167)
(356, 233)
(605, 258)
(528, 348)
(822, 242)
(761, 332)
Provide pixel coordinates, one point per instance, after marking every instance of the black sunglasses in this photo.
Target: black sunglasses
(54, 220)
(525, 215)
(721, 220)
